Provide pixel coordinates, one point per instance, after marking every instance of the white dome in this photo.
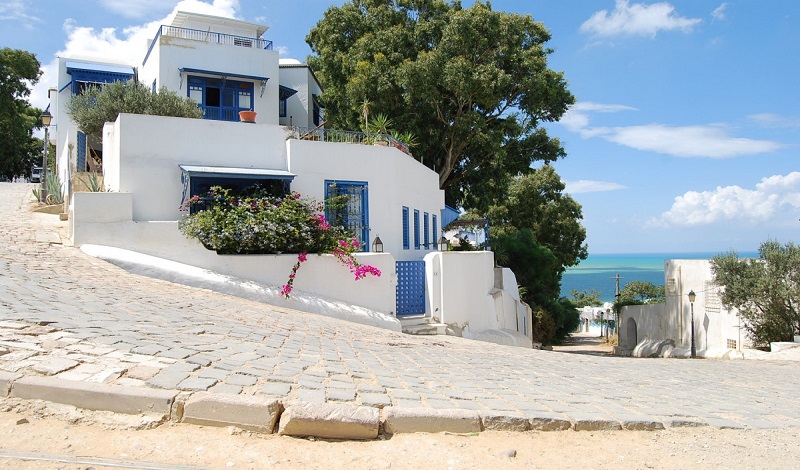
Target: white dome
(288, 61)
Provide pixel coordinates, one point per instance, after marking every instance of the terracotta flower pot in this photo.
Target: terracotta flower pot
(247, 116)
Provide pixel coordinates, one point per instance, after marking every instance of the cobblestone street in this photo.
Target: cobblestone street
(67, 315)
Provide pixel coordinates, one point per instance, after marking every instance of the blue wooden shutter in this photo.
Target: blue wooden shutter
(435, 232)
(81, 151)
(416, 229)
(426, 233)
(406, 244)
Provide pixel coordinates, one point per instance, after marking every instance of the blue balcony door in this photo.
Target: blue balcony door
(221, 100)
(354, 215)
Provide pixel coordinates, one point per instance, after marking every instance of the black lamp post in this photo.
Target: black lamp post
(602, 312)
(377, 245)
(46, 117)
(692, 296)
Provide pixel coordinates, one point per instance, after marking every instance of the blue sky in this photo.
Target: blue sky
(685, 133)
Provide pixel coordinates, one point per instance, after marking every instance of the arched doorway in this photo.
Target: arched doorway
(630, 334)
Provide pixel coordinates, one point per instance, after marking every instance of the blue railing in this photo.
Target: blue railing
(208, 36)
(220, 114)
(348, 137)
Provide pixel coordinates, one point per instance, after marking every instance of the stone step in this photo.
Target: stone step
(425, 329)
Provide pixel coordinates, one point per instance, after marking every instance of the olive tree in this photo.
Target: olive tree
(765, 290)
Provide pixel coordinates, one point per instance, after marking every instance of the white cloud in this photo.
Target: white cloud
(589, 186)
(137, 8)
(15, 10)
(127, 46)
(776, 120)
(704, 141)
(719, 12)
(734, 203)
(638, 19)
(689, 141)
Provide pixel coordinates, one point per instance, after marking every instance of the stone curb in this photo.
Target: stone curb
(95, 396)
(331, 421)
(400, 420)
(253, 413)
(6, 379)
(324, 420)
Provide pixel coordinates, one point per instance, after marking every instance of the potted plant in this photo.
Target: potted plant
(247, 116)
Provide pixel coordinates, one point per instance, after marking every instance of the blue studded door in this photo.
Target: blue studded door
(410, 288)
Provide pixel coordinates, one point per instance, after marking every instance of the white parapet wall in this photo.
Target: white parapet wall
(476, 300)
(105, 219)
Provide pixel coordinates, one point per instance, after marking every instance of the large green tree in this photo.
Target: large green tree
(472, 84)
(765, 291)
(99, 105)
(19, 70)
(536, 231)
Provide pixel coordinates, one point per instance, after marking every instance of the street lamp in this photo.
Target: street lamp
(377, 245)
(601, 322)
(443, 244)
(46, 117)
(692, 296)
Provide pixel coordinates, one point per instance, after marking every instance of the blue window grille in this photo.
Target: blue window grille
(435, 231)
(406, 243)
(220, 100)
(416, 229)
(354, 214)
(426, 230)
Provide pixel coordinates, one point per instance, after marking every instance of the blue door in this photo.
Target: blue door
(410, 288)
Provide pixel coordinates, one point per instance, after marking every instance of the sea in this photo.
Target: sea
(599, 271)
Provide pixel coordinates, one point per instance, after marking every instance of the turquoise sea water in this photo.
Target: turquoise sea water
(598, 271)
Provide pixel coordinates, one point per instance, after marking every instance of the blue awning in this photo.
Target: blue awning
(285, 92)
(101, 68)
(232, 172)
(223, 74)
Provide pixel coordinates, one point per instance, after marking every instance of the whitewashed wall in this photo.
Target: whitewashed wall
(300, 106)
(714, 325)
(475, 300)
(141, 155)
(104, 219)
(394, 180)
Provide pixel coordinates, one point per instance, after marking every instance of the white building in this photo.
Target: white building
(666, 328)
(151, 164)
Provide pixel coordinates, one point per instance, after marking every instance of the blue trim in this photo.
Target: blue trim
(435, 232)
(81, 163)
(226, 90)
(100, 77)
(449, 214)
(224, 74)
(416, 229)
(406, 242)
(426, 233)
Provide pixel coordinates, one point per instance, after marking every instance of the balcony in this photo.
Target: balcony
(209, 37)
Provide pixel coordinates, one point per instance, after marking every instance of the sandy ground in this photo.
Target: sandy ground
(38, 435)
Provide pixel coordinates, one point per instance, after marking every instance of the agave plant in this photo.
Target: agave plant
(93, 182)
(55, 193)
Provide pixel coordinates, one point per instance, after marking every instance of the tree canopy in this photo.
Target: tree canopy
(18, 149)
(641, 292)
(98, 105)
(472, 84)
(765, 291)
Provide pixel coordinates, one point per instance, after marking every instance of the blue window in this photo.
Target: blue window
(284, 93)
(221, 100)
(416, 229)
(435, 232)
(426, 231)
(354, 213)
(317, 110)
(406, 244)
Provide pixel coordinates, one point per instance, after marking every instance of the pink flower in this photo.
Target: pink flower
(302, 257)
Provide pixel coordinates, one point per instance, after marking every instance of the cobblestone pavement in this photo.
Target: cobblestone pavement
(67, 315)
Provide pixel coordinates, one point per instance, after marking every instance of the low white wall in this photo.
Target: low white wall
(475, 299)
(652, 322)
(100, 219)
